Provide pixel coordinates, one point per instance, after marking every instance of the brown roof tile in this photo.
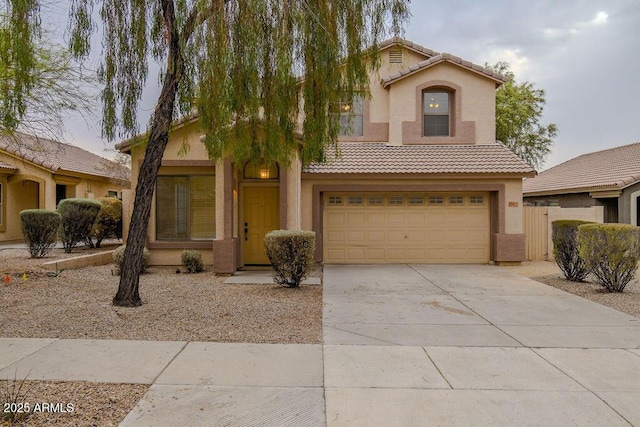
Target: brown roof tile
(408, 44)
(374, 157)
(444, 57)
(7, 166)
(614, 168)
(56, 156)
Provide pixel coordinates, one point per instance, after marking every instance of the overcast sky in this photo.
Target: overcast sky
(585, 54)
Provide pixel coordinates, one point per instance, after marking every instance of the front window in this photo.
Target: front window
(185, 208)
(352, 118)
(436, 113)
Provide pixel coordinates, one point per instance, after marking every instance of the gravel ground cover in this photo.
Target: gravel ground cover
(176, 307)
(65, 404)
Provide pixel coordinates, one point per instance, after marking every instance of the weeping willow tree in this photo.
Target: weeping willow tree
(244, 64)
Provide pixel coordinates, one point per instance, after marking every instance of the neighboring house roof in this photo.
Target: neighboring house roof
(615, 168)
(377, 158)
(6, 167)
(445, 57)
(57, 157)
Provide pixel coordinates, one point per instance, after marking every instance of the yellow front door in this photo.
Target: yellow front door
(261, 215)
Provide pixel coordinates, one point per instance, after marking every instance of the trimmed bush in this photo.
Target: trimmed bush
(611, 253)
(291, 255)
(564, 234)
(78, 217)
(118, 259)
(108, 223)
(40, 229)
(192, 261)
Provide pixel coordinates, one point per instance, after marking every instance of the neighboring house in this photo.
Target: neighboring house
(36, 173)
(420, 179)
(608, 178)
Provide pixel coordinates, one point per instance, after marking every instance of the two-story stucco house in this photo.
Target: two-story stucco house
(420, 179)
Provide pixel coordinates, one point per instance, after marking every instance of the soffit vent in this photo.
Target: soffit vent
(395, 56)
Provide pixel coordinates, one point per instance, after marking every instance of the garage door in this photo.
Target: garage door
(448, 228)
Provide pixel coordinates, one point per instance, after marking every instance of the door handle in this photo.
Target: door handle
(246, 231)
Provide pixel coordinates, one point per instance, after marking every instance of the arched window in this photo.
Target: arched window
(436, 112)
(261, 170)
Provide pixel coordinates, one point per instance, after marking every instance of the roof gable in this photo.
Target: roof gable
(56, 156)
(614, 168)
(398, 41)
(448, 58)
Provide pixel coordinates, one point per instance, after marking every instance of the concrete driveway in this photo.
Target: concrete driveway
(472, 345)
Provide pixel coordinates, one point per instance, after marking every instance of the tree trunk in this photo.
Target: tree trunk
(128, 291)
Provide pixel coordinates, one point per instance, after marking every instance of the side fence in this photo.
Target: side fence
(537, 226)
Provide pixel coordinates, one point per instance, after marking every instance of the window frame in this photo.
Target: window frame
(437, 114)
(188, 200)
(354, 117)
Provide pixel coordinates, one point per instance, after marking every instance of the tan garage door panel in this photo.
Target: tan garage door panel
(412, 227)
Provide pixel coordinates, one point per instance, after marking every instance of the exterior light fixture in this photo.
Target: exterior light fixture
(264, 173)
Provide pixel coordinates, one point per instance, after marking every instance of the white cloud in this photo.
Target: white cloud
(555, 34)
(600, 18)
(519, 63)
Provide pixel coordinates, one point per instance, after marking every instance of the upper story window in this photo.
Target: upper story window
(436, 113)
(352, 117)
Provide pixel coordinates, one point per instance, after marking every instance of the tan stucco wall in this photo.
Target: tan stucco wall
(379, 107)
(173, 256)
(477, 96)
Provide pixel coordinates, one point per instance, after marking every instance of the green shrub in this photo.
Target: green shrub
(78, 217)
(108, 223)
(40, 229)
(291, 255)
(564, 234)
(118, 259)
(610, 252)
(192, 261)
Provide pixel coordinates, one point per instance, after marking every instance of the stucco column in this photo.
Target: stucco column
(293, 191)
(225, 246)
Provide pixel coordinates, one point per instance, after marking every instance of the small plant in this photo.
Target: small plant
(15, 406)
(564, 234)
(192, 261)
(291, 255)
(108, 223)
(118, 259)
(40, 229)
(78, 217)
(611, 253)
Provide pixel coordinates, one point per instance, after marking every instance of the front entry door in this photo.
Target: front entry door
(261, 215)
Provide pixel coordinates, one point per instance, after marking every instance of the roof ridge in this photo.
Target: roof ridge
(444, 57)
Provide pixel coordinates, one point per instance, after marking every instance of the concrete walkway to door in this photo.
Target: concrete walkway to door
(414, 345)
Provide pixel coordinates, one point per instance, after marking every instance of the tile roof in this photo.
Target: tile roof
(377, 157)
(615, 168)
(408, 44)
(56, 156)
(444, 57)
(6, 166)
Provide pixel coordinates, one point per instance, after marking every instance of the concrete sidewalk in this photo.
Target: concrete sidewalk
(403, 345)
